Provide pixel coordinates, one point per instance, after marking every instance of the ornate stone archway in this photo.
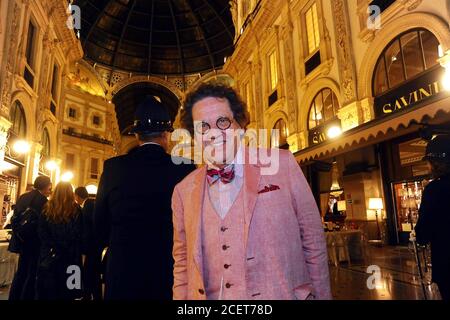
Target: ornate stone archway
(389, 31)
(310, 94)
(137, 79)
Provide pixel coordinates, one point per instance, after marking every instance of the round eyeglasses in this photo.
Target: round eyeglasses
(223, 123)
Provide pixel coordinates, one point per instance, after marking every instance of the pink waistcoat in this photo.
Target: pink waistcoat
(224, 251)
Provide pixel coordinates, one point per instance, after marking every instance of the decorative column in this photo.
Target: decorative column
(35, 161)
(235, 16)
(346, 65)
(257, 85)
(44, 95)
(445, 62)
(56, 174)
(9, 57)
(290, 87)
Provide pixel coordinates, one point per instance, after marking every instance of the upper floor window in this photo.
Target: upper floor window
(323, 108)
(55, 82)
(54, 89)
(45, 141)
(312, 43)
(17, 118)
(94, 168)
(72, 113)
(96, 120)
(30, 49)
(281, 127)
(273, 72)
(312, 29)
(382, 4)
(406, 57)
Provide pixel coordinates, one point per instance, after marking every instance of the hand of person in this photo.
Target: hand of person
(412, 236)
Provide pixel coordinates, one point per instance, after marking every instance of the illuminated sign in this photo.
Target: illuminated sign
(410, 93)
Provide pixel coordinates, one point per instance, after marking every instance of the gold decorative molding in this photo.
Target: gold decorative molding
(7, 72)
(344, 51)
(349, 116)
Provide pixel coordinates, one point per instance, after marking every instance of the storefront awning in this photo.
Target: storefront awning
(378, 130)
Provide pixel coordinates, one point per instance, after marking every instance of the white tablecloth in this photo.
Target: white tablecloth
(8, 264)
(345, 246)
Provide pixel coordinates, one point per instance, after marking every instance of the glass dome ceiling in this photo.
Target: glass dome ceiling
(157, 37)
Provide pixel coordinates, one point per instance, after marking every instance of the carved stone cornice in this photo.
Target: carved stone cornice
(69, 42)
(368, 34)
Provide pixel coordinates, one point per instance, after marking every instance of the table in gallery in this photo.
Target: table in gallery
(345, 245)
(8, 264)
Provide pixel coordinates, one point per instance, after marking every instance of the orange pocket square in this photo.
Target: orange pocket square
(270, 187)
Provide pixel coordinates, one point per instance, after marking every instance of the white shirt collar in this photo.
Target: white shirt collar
(150, 143)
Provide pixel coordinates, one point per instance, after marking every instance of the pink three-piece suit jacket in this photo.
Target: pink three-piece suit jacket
(283, 234)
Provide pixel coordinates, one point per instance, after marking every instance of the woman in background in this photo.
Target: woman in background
(61, 234)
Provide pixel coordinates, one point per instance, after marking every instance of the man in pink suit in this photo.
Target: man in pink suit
(242, 232)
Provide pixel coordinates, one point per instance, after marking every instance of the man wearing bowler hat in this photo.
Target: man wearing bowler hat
(133, 216)
(434, 213)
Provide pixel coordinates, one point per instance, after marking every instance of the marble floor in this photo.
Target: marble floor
(398, 279)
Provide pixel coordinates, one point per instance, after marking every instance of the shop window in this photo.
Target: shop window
(406, 57)
(29, 72)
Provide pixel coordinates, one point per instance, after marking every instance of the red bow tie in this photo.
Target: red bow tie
(226, 175)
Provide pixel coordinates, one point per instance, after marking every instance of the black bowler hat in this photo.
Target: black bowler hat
(438, 149)
(151, 116)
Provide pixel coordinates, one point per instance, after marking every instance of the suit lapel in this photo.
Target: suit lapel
(252, 176)
(198, 192)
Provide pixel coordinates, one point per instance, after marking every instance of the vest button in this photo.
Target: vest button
(224, 247)
(223, 229)
(228, 285)
(226, 266)
(201, 291)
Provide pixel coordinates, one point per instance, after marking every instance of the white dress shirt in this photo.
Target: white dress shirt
(223, 195)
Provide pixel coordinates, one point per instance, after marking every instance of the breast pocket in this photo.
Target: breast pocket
(303, 292)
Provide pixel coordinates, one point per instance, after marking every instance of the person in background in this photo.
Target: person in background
(434, 213)
(7, 224)
(23, 285)
(133, 217)
(60, 231)
(92, 289)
